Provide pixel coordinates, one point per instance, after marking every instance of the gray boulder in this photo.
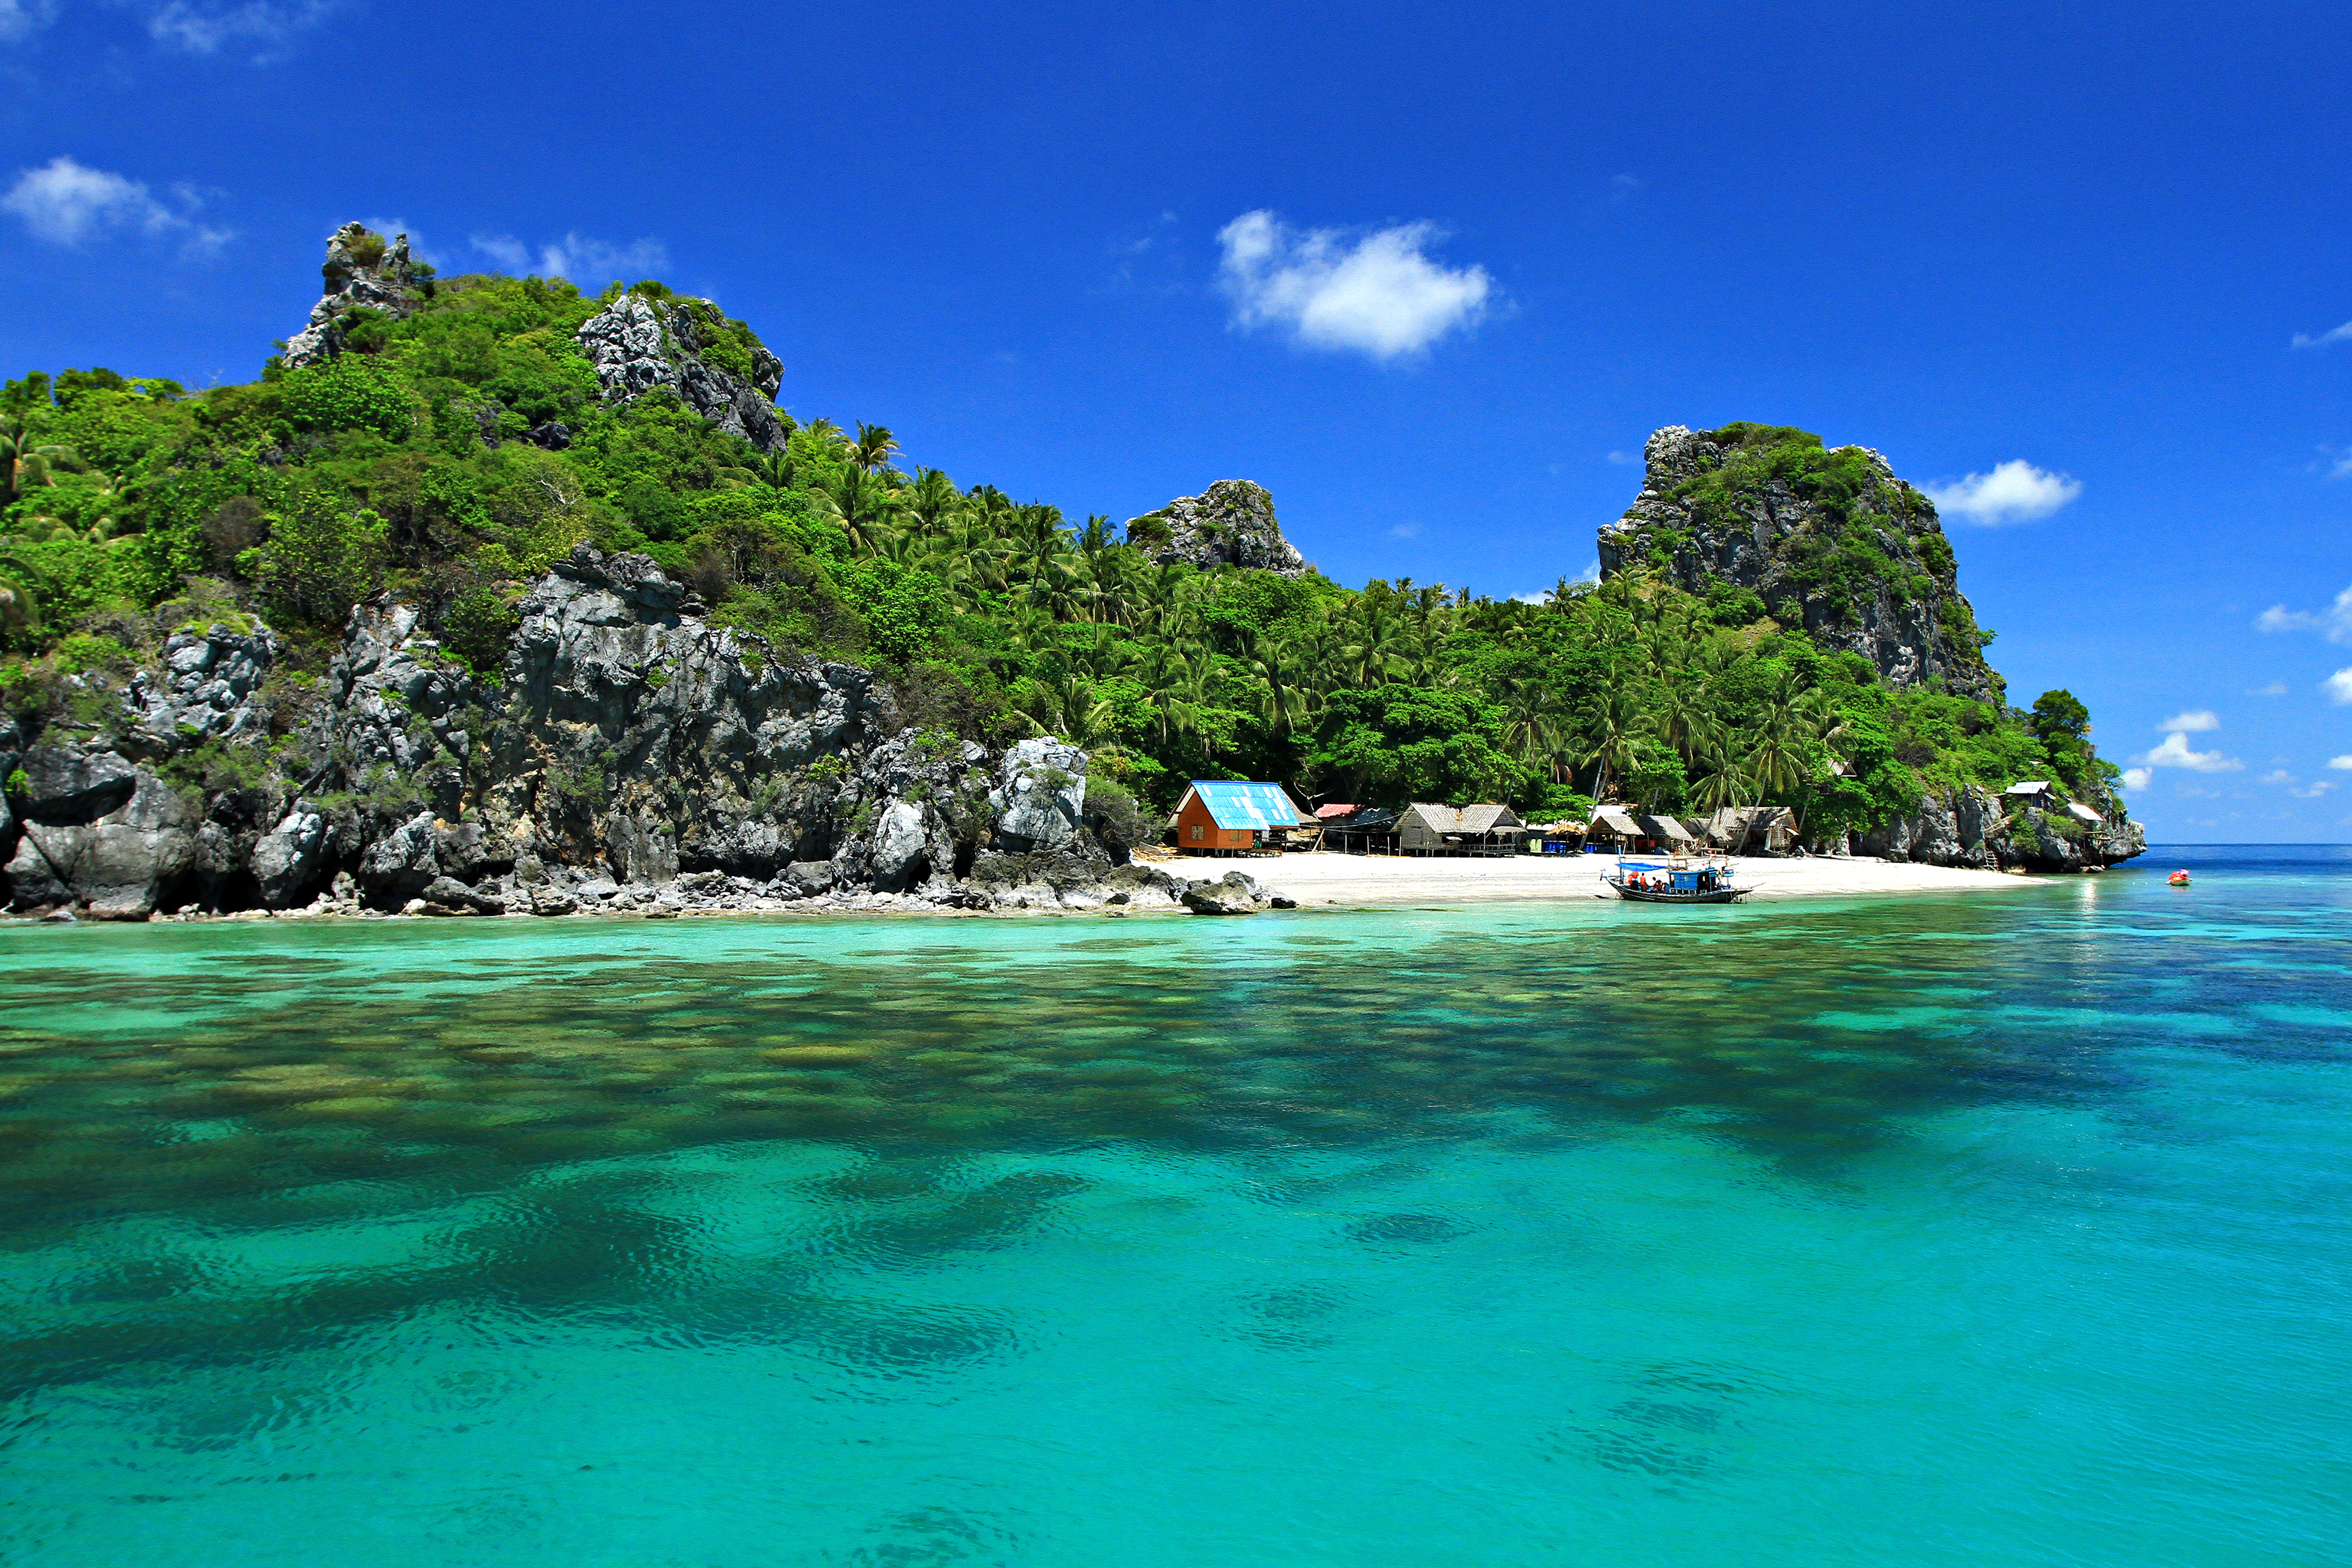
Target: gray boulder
(66, 785)
(638, 345)
(1040, 796)
(446, 895)
(1230, 523)
(1235, 893)
(288, 860)
(121, 866)
(400, 865)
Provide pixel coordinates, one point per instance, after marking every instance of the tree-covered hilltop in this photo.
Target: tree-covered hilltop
(445, 441)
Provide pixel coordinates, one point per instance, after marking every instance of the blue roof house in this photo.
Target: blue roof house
(1219, 816)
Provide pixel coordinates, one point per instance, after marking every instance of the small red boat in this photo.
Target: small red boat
(2179, 878)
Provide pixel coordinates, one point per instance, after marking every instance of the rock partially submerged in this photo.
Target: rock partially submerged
(1235, 893)
(1974, 828)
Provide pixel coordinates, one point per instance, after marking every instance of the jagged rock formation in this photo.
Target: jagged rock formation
(1974, 826)
(1829, 541)
(714, 365)
(1230, 523)
(361, 272)
(626, 756)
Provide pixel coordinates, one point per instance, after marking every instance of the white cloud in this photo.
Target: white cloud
(2333, 335)
(584, 258)
(2202, 719)
(1380, 293)
(2137, 778)
(2276, 688)
(2315, 792)
(2334, 623)
(1623, 459)
(2342, 763)
(2015, 491)
(2338, 686)
(2175, 752)
(204, 29)
(22, 18)
(2278, 776)
(66, 203)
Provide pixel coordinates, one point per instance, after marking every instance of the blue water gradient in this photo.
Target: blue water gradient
(1964, 1229)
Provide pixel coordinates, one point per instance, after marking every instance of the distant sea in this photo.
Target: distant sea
(1910, 1231)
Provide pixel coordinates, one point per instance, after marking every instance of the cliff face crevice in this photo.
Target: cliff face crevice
(1832, 542)
(626, 750)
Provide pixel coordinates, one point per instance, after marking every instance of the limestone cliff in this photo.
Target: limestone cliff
(1230, 523)
(1975, 827)
(627, 754)
(1829, 541)
(363, 273)
(713, 363)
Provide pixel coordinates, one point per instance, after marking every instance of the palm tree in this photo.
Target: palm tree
(825, 432)
(874, 448)
(1612, 726)
(932, 497)
(773, 469)
(858, 502)
(1286, 702)
(1531, 723)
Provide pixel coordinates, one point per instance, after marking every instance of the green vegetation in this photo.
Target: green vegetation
(129, 505)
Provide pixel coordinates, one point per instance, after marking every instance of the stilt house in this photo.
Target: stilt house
(1484, 829)
(1224, 816)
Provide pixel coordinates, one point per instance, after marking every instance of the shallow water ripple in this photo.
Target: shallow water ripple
(1939, 1231)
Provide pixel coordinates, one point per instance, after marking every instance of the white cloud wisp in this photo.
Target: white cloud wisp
(2198, 720)
(68, 204)
(2333, 335)
(2015, 491)
(2334, 623)
(20, 20)
(2338, 687)
(1378, 294)
(197, 28)
(2176, 752)
(584, 259)
(2138, 779)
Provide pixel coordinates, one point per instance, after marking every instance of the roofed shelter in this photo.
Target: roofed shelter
(1486, 828)
(1225, 817)
(1771, 828)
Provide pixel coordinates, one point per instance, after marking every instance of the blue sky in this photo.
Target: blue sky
(1430, 278)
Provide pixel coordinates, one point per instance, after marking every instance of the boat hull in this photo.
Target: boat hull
(1660, 896)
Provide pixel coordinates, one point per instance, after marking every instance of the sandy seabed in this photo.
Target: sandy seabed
(1321, 879)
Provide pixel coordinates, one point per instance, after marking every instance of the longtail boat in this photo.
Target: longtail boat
(1678, 880)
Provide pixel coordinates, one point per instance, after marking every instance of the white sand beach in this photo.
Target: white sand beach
(1319, 881)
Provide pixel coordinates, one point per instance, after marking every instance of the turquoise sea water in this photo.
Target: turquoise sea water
(1974, 1229)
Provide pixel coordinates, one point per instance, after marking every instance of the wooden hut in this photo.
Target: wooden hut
(1226, 816)
(1749, 829)
(1613, 825)
(1488, 828)
(1368, 831)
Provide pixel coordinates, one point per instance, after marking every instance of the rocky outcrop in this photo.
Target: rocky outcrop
(714, 365)
(1235, 893)
(362, 273)
(1832, 542)
(1972, 827)
(204, 690)
(628, 757)
(121, 863)
(1230, 523)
